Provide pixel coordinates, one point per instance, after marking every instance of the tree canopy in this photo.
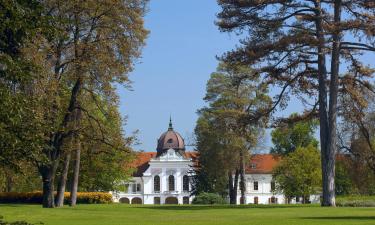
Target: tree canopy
(229, 127)
(300, 48)
(299, 174)
(60, 64)
(286, 138)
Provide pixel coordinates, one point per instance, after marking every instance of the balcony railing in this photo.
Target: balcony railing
(171, 192)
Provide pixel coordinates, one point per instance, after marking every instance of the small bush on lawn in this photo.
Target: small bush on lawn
(208, 199)
(356, 201)
(36, 197)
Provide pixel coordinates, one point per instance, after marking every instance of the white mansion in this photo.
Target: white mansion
(163, 177)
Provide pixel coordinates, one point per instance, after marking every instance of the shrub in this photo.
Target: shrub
(208, 199)
(356, 201)
(37, 198)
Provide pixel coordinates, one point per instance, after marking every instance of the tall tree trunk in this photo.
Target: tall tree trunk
(73, 192)
(230, 187)
(62, 181)
(325, 128)
(9, 181)
(74, 189)
(48, 173)
(233, 186)
(330, 153)
(242, 177)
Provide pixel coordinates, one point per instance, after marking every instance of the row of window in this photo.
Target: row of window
(185, 184)
(171, 200)
(256, 186)
(133, 187)
(171, 183)
(272, 200)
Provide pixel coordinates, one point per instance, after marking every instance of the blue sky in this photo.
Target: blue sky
(171, 77)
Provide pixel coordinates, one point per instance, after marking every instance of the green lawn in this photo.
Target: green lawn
(114, 214)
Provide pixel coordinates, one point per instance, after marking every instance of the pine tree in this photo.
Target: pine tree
(231, 119)
(289, 44)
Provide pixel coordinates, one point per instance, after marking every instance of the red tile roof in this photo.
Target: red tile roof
(259, 164)
(262, 163)
(140, 164)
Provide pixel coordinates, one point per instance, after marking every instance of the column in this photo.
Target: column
(163, 180)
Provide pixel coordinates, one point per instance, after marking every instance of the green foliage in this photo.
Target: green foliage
(205, 198)
(24, 179)
(299, 173)
(343, 183)
(229, 127)
(57, 57)
(20, 130)
(356, 201)
(288, 137)
(36, 197)
(106, 150)
(211, 176)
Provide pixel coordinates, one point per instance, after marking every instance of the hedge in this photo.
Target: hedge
(205, 198)
(355, 201)
(36, 197)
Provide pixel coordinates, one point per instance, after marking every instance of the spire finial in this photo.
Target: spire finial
(170, 123)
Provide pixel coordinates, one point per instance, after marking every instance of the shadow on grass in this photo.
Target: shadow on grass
(16, 204)
(209, 207)
(340, 218)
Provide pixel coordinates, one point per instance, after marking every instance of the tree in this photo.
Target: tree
(299, 173)
(286, 138)
(95, 47)
(92, 47)
(215, 160)
(343, 181)
(105, 149)
(289, 47)
(20, 22)
(234, 98)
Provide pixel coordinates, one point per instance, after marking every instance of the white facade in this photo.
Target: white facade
(165, 177)
(259, 190)
(145, 188)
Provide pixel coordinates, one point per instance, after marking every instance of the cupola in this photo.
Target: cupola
(170, 140)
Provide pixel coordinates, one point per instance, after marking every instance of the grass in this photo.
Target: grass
(115, 214)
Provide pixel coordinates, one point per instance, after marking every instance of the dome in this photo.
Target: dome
(170, 139)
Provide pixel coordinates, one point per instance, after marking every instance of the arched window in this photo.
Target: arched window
(156, 183)
(124, 200)
(136, 200)
(171, 200)
(171, 183)
(185, 183)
